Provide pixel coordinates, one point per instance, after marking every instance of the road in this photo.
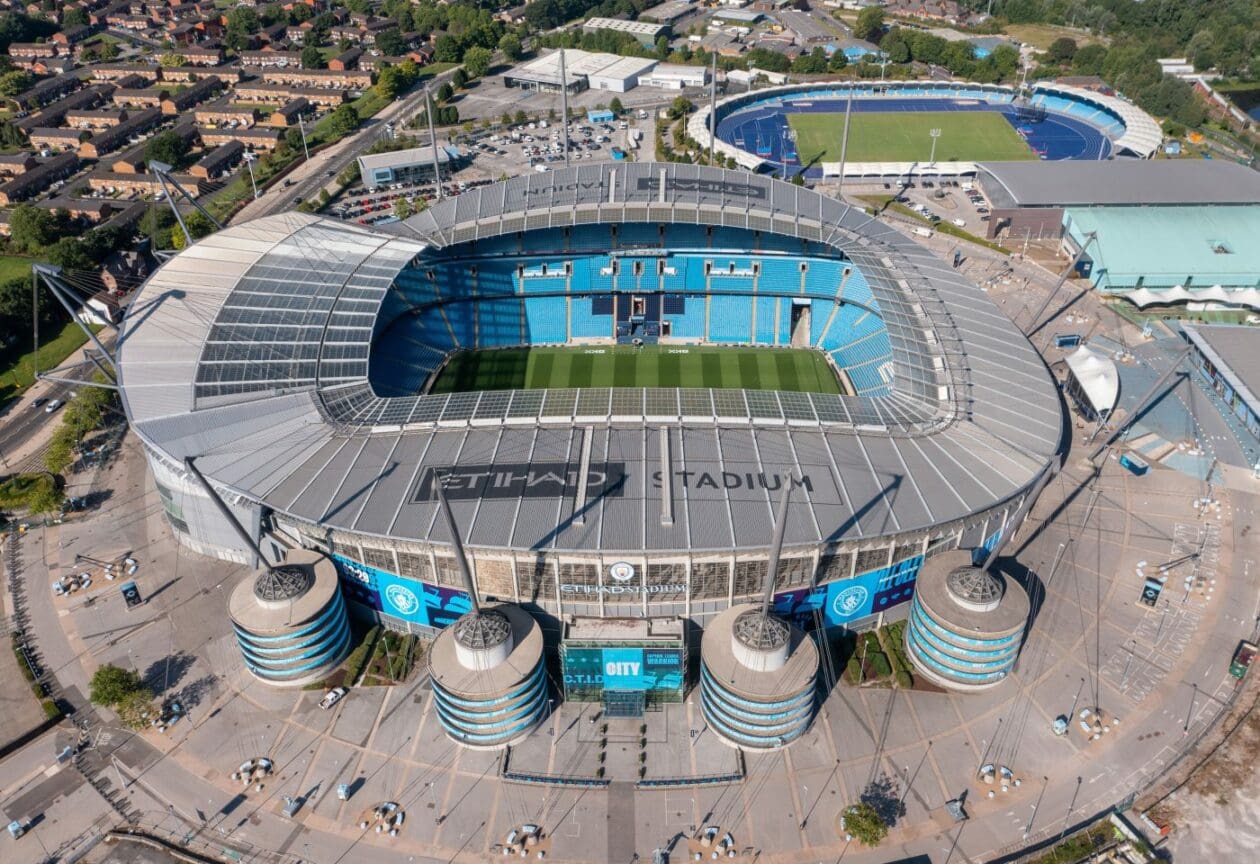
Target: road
(21, 422)
(309, 177)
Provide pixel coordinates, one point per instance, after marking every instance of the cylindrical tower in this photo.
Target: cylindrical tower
(757, 678)
(290, 620)
(966, 624)
(489, 679)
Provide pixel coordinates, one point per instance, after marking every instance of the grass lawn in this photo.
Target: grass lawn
(1042, 35)
(14, 267)
(17, 375)
(650, 366)
(903, 137)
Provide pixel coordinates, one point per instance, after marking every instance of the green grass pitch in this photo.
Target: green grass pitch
(710, 366)
(902, 136)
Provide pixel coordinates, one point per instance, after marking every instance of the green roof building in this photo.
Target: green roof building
(1165, 247)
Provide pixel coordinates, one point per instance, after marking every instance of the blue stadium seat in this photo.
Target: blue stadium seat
(688, 324)
(498, 322)
(730, 318)
(545, 320)
(765, 319)
(584, 323)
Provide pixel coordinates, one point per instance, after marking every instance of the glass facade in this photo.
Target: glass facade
(302, 655)
(754, 724)
(949, 655)
(494, 721)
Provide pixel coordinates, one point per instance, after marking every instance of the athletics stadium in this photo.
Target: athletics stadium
(612, 370)
(799, 128)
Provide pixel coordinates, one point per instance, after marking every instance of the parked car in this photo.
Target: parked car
(332, 697)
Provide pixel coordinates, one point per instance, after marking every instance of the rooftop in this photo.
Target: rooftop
(305, 436)
(582, 629)
(1235, 351)
(1192, 246)
(403, 158)
(1119, 182)
(636, 28)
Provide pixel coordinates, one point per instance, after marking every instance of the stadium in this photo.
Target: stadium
(799, 128)
(612, 371)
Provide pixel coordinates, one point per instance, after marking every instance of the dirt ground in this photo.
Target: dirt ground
(1214, 817)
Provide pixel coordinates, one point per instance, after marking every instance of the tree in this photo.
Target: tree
(798, 179)
(459, 78)
(136, 709)
(31, 229)
(680, 107)
(446, 49)
(45, 496)
(477, 61)
(870, 24)
(391, 42)
(242, 24)
(1062, 50)
(343, 120)
(170, 60)
(402, 208)
(1088, 59)
(312, 58)
(445, 92)
(616, 107)
(837, 62)
(510, 45)
(813, 63)
(168, 147)
(109, 51)
(864, 823)
(13, 83)
(74, 18)
(519, 118)
(112, 684)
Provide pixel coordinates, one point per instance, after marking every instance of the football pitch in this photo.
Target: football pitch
(902, 136)
(709, 366)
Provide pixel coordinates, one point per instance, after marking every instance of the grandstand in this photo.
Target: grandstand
(296, 358)
(1056, 122)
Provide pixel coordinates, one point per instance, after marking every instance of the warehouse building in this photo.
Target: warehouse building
(1029, 198)
(675, 76)
(583, 70)
(1229, 357)
(646, 32)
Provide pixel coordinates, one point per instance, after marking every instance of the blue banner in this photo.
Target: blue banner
(408, 599)
(642, 669)
(850, 600)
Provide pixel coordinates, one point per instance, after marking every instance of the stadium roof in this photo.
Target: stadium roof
(249, 351)
(1142, 135)
(1069, 183)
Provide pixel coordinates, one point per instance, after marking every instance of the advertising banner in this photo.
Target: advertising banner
(408, 599)
(849, 600)
(642, 669)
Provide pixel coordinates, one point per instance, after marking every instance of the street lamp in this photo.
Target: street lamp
(249, 162)
(934, 134)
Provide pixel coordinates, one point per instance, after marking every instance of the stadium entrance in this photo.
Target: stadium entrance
(629, 665)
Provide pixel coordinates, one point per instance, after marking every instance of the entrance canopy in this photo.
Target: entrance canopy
(1096, 377)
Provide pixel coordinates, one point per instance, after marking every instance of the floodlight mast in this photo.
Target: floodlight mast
(457, 544)
(226, 513)
(776, 545)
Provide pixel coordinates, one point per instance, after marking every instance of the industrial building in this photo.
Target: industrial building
(1029, 198)
(583, 70)
(675, 76)
(1229, 357)
(645, 31)
(413, 165)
